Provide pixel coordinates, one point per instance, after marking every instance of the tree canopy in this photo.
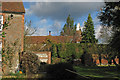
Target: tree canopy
(110, 17)
(88, 33)
(69, 27)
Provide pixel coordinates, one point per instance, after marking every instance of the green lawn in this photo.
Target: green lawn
(98, 71)
(83, 73)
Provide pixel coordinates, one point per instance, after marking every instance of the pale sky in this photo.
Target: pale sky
(51, 16)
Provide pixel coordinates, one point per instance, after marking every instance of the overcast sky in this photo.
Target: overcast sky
(51, 16)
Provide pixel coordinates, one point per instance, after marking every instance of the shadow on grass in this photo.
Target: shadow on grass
(97, 73)
(59, 72)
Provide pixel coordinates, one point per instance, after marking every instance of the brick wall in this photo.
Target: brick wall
(14, 33)
(103, 61)
(15, 29)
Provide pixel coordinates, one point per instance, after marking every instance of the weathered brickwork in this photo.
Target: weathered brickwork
(15, 30)
(103, 60)
(13, 41)
(14, 34)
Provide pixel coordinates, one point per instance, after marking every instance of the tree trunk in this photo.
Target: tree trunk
(109, 61)
(119, 58)
(113, 58)
(100, 58)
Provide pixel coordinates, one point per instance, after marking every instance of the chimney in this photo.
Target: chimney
(49, 33)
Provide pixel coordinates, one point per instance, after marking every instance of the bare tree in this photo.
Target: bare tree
(105, 34)
(29, 30)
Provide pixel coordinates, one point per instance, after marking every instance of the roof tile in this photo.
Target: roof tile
(13, 7)
(41, 39)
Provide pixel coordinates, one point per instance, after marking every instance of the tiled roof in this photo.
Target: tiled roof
(13, 7)
(41, 39)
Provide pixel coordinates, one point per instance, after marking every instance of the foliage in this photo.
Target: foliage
(70, 51)
(17, 74)
(86, 59)
(66, 52)
(5, 25)
(109, 16)
(88, 32)
(104, 51)
(48, 44)
(9, 51)
(29, 62)
(69, 28)
(45, 46)
(54, 50)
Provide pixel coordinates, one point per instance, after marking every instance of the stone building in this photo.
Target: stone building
(12, 13)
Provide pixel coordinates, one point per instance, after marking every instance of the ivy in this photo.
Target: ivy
(3, 55)
(7, 52)
(70, 51)
(3, 36)
(3, 33)
(5, 25)
(67, 51)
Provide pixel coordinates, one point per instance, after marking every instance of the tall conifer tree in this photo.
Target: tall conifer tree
(88, 32)
(69, 27)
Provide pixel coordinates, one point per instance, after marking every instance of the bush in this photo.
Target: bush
(86, 59)
(66, 51)
(29, 62)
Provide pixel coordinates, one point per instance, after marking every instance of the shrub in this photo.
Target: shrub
(29, 62)
(66, 51)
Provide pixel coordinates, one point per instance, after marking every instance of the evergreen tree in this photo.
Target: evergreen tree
(69, 27)
(88, 31)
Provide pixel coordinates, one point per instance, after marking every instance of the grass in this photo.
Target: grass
(93, 73)
(13, 75)
(98, 71)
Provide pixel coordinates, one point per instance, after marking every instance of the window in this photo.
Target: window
(1, 22)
